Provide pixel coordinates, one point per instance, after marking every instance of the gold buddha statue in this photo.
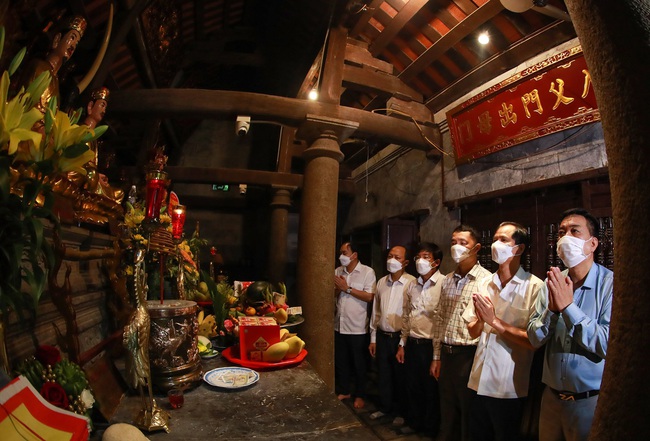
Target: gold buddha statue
(93, 181)
(63, 46)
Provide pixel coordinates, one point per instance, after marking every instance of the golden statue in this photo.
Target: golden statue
(63, 46)
(94, 181)
(136, 341)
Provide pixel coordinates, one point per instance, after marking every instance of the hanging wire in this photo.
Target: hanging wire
(419, 127)
(367, 160)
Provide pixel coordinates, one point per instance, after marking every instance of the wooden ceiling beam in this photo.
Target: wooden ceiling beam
(447, 41)
(124, 23)
(546, 38)
(396, 25)
(378, 83)
(203, 104)
(222, 175)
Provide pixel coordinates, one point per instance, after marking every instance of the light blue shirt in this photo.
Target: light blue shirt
(576, 339)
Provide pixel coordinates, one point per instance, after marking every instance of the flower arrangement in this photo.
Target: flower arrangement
(60, 381)
(30, 160)
(184, 260)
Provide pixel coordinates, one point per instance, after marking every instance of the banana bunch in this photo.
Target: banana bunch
(207, 325)
(33, 370)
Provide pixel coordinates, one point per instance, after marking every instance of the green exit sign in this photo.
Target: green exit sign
(216, 187)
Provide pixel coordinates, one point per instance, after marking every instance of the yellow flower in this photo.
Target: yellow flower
(165, 219)
(16, 119)
(133, 219)
(128, 270)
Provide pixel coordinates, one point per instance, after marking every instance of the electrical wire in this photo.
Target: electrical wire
(367, 160)
(419, 127)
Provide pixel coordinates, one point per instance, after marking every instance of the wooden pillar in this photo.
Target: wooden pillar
(280, 203)
(615, 45)
(317, 238)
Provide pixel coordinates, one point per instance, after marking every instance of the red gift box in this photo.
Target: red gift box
(256, 334)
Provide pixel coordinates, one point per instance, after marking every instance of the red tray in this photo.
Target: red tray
(233, 357)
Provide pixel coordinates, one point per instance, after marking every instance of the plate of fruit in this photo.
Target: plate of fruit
(205, 348)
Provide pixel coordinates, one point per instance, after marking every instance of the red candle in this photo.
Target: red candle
(178, 220)
(156, 184)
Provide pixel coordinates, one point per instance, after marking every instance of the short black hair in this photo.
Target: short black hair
(352, 247)
(592, 222)
(520, 235)
(431, 248)
(469, 229)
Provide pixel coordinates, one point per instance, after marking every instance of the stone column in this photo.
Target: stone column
(615, 43)
(280, 203)
(317, 238)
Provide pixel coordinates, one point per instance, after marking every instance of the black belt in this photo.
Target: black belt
(456, 349)
(420, 341)
(395, 334)
(573, 396)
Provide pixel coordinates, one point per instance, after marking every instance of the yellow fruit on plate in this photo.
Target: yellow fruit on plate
(275, 352)
(207, 325)
(205, 341)
(281, 316)
(295, 347)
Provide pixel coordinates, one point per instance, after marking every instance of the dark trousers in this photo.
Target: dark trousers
(392, 393)
(455, 397)
(423, 411)
(496, 419)
(351, 360)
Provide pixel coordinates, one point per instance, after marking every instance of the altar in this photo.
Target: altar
(291, 403)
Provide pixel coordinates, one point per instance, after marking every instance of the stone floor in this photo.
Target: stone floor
(382, 427)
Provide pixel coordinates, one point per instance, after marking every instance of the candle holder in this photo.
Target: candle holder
(178, 220)
(156, 189)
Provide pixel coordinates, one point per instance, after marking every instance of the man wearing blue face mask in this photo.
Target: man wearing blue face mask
(385, 330)
(454, 354)
(354, 290)
(499, 316)
(573, 321)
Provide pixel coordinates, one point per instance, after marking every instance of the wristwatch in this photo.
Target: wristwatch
(349, 290)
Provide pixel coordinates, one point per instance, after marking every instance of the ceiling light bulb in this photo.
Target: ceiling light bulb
(484, 38)
(313, 95)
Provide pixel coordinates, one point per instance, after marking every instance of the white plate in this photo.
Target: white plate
(231, 377)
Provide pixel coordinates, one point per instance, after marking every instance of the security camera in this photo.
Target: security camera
(242, 125)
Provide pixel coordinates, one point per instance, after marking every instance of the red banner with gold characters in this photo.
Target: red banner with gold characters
(551, 96)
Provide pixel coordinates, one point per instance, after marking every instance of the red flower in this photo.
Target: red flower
(48, 355)
(54, 394)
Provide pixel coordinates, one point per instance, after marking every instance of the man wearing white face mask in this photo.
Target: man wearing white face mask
(455, 348)
(355, 288)
(573, 321)
(415, 350)
(499, 315)
(385, 329)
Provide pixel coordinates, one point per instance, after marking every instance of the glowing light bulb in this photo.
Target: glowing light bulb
(313, 95)
(484, 38)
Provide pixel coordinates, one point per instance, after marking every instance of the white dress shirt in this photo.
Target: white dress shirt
(501, 368)
(421, 308)
(351, 312)
(388, 305)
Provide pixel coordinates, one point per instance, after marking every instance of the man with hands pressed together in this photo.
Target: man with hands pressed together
(355, 287)
(499, 315)
(385, 330)
(573, 321)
